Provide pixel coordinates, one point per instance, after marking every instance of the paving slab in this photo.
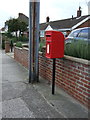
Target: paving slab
(61, 101)
(15, 108)
(39, 105)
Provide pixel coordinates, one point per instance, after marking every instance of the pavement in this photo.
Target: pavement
(20, 99)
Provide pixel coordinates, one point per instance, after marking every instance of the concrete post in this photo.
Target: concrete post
(33, 40)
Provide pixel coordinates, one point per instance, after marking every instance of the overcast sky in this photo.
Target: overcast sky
(55, 9)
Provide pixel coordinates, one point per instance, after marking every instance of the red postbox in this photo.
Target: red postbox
(54, 44)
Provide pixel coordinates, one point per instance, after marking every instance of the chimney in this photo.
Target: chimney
(79, 12)
(47, 19)
(72, 17)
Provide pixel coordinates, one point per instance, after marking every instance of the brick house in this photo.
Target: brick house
(23, 18)
(65, 25)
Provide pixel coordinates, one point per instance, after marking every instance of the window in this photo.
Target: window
(42, 33)
(74, 33)
(83, 33)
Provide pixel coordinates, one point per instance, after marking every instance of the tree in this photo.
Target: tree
(15, 25)
(23, 27)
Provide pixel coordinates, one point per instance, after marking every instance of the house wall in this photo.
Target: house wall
(72, 74)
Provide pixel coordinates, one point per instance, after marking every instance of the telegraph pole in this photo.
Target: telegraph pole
(34, 9)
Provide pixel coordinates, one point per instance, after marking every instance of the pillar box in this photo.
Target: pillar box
(54, 44)
(7, 46)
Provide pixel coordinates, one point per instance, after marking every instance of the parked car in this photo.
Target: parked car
(81, 34)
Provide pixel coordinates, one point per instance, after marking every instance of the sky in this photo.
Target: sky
(55, 9)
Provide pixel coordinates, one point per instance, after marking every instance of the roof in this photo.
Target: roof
(43, 26)
(23, 18)
(64, 24)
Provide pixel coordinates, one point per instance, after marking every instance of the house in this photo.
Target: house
(4, 29)
(65, 25)
(23, 18)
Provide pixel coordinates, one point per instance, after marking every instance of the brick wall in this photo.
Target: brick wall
(7, 46)
(72, 74)
(21, 55)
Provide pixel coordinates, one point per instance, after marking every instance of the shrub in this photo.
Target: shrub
(41, 44)
(19, 44)
(78, 49)
(23, 39)
(14, 39)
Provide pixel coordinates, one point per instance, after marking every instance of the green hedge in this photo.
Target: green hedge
(41, 44)
(19, 44)
(79, 49)
(23, 39)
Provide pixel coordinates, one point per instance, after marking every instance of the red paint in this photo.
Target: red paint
(54, 44)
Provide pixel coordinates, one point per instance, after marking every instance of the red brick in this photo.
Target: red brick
(84, 81)
(67, 74)
(76, 77)
(79, 82)
(88, 94)
(83, 88)
(85, 73)
(88, 78)
(81, 68)
(87, 86)
(78, 89)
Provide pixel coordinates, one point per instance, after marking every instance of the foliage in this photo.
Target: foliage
(79, 49)
(8, 34)
(14, 39)
(19, 44)
(41, 44)
(15, 25)
(23, 39)
(23, 26)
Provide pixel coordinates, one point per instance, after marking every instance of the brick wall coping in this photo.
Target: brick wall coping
(83, 61)
(18, 48)
(26, 48)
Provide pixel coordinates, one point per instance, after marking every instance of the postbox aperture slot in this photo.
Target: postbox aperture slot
(48, 35)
